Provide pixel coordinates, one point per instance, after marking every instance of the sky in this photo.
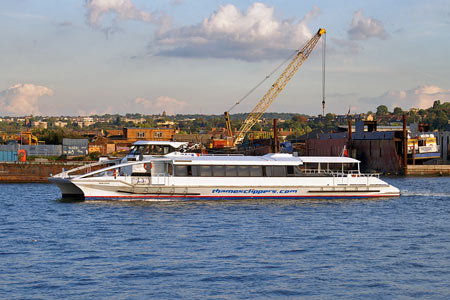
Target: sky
(85, 57)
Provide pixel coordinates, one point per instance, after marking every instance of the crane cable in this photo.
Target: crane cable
(324, 43)
(262, 81)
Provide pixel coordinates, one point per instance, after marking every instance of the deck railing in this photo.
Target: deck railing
(334, 173)
(88, 168)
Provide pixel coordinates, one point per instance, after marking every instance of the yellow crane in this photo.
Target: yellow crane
(276, 88)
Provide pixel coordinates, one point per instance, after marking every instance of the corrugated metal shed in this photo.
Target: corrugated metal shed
(8, 156)
(75, 147)
(42, 150)
(35, 150)
(75, 142)
(9, 147)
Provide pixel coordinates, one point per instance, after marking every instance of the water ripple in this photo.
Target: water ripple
(255, 249)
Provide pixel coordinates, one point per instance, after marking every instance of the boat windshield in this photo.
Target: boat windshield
(151, 149)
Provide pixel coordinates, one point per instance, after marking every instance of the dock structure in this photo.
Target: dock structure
(382, 150)
(36, 172)
(431, 170)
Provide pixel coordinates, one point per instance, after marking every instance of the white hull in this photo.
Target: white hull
(191, 177)
(141, 188)
(68, 189)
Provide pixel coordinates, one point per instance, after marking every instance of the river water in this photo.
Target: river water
(247, 249)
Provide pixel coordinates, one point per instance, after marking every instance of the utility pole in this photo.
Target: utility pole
(275, 136)
(405, 147)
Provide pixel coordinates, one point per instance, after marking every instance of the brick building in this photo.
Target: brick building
(131, 135)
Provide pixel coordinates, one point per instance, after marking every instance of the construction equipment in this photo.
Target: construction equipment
(27, 138)
(277, 87)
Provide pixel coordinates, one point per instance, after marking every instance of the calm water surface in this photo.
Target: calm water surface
(296, 249)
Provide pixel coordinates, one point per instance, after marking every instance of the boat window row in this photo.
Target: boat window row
(151, 149)
(237, 171)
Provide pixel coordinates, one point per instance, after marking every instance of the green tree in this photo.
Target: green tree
(382, 110)
(440, 120)
(329, 117)
(300, 119)
(398, 111)
(436, 104)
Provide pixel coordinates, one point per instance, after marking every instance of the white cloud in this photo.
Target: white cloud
(120, 10)
(163, 103)
(22, 99)
(107, 110)
(419, 97)
(124, 9)
(230, 33)
(363, 28)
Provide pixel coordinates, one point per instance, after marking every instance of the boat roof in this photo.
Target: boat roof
(328, 159)
(161, 143)
(268, 159)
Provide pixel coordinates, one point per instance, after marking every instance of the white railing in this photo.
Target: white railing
(339, 173)
(112, 169)
(88, 167)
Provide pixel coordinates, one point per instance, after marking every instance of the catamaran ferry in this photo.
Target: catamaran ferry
(190, 176)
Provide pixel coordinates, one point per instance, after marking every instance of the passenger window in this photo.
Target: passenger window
(218, 171)
(298, 171)
(231, 171)
(181, 171)
(195, 170)
(256, 171)
(290, 170)
(267, 170)
(278, 171)
(243, 171)
(205, 171)
(146, 150)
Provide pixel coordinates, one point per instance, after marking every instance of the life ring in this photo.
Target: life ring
(22, 155)
(145, 166)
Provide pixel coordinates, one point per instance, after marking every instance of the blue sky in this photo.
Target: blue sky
(81, 57)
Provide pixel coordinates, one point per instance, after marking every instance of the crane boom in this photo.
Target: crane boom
(277, 87)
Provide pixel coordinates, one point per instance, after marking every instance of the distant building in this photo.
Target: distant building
(379, 149)
(88, 121)
(58, 124)
(40, 124)
(156, 134)
(134, 121)
(131, 135)
(114, 132)
(167, 124)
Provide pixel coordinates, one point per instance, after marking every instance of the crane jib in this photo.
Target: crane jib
(278, 86)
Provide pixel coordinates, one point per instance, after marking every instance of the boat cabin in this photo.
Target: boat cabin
(270, 165)
(154, 148)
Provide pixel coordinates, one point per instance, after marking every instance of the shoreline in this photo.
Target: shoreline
(34, 172)
(38, 172)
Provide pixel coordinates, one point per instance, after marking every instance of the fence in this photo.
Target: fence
(35, 150)
(75, 147)
(70, 147)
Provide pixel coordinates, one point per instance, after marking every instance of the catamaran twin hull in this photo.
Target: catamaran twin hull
(140, 189)
(179, 176)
